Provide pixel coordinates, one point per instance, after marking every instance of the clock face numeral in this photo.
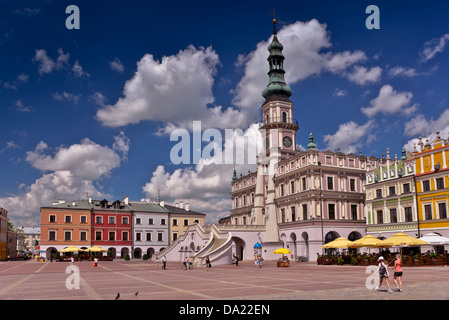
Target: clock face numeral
(287, 141)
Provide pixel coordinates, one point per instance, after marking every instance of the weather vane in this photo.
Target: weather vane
(273, 14)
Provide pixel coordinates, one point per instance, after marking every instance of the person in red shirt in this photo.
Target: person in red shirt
(398, 272)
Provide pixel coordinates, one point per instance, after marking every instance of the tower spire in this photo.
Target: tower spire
(276, 83)
(311, 145)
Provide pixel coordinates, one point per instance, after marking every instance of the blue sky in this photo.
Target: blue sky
(90, 111)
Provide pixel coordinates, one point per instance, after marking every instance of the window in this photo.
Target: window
(304, 212)
(138, 236)
(282, 190)
(159, 236)
(186, 222)
(292, 187)
(293, 213)
(125, 220)
(352, 184)
(163, 222)
(111, 236)
(353, 211)
(125, 235)
(426, 185)
(98, 235)
(196, 221)
(284, 116)
(283, 215)
(150, 221)
(304, 185)
(440, 183)
(428, 211)
(175, 236)
(406, 187)
(83, 219)
(52, 235)
(380, 217)
(52, 218)
(99, 220)
(175, 222)
(393, 216)
(331, 211)
(138, 221)
(68, 219)
(392, 190)
(83, 235)
(442, 210)
(408, 214)
(330, 183)
(111, 220)
(67, 235)
(149, 237)
(379, 193)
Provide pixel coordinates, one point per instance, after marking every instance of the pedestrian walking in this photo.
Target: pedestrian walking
(236, 258)
(398, 272)
(72, 259)
(164, 262)
(208, 265)
(260, 261)
(383, 273)
(95, 264)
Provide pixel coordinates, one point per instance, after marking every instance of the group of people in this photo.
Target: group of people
(383, 273)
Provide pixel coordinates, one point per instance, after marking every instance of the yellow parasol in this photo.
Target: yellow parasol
(370, 242)
(338, 243)
(282, 251)
(402, 239)
(97, 249)
(71, 249)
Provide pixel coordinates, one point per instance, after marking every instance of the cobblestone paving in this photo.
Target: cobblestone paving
(30, 280)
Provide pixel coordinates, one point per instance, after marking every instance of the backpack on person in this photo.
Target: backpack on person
(382, 269)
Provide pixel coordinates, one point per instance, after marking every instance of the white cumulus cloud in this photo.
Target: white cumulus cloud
(68, 173)
(389, 101)
(349, 137)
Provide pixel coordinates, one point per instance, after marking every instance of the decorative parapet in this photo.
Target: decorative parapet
(392, 227)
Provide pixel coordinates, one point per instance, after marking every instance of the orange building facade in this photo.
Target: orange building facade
(66, 224)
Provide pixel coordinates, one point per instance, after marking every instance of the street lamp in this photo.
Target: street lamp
(321, 210)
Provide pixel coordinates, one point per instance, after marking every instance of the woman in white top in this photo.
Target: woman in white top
(383, 273)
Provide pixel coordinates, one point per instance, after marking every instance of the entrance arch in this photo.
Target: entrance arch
(331, 236)
(137, 253)
(305, 238)
(50, 253)
(124, 252)
(112, 252)
(238, 247)
(293, 239)
(150, 252)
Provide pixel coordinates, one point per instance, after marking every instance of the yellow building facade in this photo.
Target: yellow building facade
(432, 185)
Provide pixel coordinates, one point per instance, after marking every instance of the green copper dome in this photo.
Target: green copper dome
(276, 83)
(311, 145)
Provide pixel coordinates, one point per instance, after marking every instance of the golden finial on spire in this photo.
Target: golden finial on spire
(274, 20)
